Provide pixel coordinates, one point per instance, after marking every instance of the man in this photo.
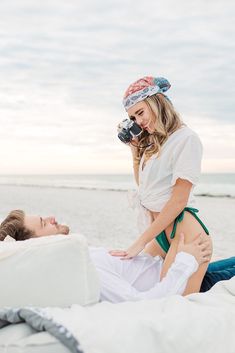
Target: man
(121, 280)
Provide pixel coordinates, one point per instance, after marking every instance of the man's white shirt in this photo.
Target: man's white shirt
(139, 278)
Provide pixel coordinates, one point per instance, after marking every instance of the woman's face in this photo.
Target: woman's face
(143, 116)
(44, 226)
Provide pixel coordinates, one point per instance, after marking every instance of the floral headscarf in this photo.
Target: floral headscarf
(143, 88)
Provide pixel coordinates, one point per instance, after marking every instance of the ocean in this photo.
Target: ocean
(212, 185)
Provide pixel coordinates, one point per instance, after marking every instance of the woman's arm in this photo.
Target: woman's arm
(171, 210)
(136, 170)
(136, 161)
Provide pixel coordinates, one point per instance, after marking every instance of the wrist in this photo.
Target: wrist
(134, 151)
(135, 155)
(136, 162)
(142, 241)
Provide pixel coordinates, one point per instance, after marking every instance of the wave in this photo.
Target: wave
(66, 187)
(215, 193)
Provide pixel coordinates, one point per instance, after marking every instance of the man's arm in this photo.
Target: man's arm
(174, 282)
(189, 257)
(195, 281)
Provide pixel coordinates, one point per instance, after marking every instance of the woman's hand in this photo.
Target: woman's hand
(133, 251)
(133, 144)
(117, 252)
(134, 148)
(200, 248)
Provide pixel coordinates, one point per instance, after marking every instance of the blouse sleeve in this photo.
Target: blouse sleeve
(186, 160)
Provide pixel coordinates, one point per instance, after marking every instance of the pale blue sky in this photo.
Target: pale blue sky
(64, 66)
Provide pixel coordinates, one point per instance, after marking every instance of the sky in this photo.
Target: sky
(65, 65)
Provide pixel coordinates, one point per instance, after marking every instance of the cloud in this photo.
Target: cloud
(65, 65)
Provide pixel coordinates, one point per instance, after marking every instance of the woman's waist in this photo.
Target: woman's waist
(149, 206)
(156, 204)
(155, 199)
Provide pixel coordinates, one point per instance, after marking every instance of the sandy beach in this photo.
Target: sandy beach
(105, 217)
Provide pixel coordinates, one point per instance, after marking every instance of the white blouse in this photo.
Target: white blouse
(180, 157)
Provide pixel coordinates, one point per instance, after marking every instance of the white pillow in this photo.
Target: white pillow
(47, 271)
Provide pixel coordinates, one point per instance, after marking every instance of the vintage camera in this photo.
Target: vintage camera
(128, 129)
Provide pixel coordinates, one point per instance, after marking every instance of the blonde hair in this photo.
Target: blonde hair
(166, 121)
(13, 225)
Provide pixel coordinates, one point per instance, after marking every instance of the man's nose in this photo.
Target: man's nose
(51, 220)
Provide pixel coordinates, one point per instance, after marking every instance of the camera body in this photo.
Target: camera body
(128, 129)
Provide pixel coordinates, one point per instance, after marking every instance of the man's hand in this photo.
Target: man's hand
(200, 248)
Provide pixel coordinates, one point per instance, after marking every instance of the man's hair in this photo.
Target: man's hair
(13, 225)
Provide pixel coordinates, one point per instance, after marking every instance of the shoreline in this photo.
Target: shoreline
(100, 189)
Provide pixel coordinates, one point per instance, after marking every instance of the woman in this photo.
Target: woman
(167, 162)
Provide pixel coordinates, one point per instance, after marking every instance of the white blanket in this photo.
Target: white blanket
(202, 323)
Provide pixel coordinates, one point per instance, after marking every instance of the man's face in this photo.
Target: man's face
(44, 226)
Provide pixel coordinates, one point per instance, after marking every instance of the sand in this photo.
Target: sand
(105, 217)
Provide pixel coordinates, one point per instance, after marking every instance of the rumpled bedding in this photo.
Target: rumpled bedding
(202, 322)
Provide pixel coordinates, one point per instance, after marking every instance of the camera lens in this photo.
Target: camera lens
(125, 136)
(135, 129)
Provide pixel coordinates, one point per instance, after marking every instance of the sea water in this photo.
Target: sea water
(217, 185)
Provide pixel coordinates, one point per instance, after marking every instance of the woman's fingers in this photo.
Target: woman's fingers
(117, 252)
(126, 257)
(119, 127)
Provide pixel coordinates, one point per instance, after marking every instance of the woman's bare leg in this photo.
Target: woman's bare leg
(190, 227)
(154, 249)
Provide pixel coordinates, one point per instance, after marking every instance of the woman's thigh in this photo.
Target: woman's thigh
(191, 228)
(154, 249)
